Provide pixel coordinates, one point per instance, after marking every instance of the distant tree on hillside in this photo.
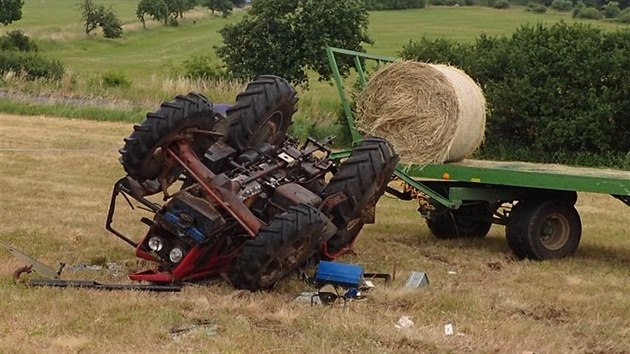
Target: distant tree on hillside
(223, 6)
(287, 38)
(166, 11)
(10, 11)
(94, 16)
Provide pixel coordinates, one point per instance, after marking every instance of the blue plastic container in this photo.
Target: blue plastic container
(342, 274)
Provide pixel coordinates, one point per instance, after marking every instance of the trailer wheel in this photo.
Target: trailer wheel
(142, 156)
(466, 222)
(262, 113)
(543, 229)
(362, 178)
(288, 241)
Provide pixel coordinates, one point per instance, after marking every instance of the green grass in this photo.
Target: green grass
(71, 111)
(393, 29)
(55, 185)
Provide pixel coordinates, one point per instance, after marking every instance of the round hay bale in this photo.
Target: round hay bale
(431, 113)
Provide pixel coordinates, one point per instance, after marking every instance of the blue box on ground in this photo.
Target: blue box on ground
(342, 274)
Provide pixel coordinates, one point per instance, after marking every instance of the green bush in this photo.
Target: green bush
(553, 92)
(203, 67)
(589, 13)
(611, 10)
(561, 5)
(501, 4)
(115, 79)
(394, 4)
(112, 28)
(31, 65)
(17, 40)
(624, 16)
(536, 8)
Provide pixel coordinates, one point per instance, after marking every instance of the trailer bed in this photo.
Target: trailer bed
(529, 175)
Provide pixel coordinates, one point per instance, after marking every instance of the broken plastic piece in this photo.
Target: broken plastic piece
(417, 280)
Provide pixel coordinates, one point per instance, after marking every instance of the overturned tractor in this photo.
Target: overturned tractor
(250, 201)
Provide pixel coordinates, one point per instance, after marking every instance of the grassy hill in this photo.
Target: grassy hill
(141, 54)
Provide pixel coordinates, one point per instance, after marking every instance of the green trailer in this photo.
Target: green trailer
(535, 202)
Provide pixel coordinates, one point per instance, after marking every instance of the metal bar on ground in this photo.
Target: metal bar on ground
(90, 284)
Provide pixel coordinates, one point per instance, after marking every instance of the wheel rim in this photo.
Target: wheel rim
(269, 130)
(554, 232)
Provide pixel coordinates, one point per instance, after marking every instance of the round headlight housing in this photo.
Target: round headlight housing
(155, 244)
(176, 255)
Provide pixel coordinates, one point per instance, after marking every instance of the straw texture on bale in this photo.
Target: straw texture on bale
(431, 113)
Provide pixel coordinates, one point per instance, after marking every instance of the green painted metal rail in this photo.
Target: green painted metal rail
(528, 175)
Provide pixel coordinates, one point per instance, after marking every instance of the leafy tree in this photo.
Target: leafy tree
(181, 6)
(223, 6)
(10, 11)
(288, 37)
(110, 24)
(157, 9)
(90, 14)
(166, 11)
(94, 16)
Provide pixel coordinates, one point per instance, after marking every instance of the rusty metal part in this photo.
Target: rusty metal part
(331, 201)
(424, 201)
(26, 269)
(294, 194)
(36, 265)
(225, 198)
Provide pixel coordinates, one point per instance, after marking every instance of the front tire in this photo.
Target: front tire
(281, 247)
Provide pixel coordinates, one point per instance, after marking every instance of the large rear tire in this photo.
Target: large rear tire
(262, 113)
(142, 156)
(542, 230)
(281, 247)
(362, 178)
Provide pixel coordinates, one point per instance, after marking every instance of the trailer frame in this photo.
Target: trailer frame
(463, 199)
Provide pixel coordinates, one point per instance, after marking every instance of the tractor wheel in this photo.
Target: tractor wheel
(362, 178)
(543, 229)
(466, 222)
(281, 247)
(262, 113)
(142, 155)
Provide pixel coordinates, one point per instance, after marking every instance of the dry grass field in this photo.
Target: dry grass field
(55, 180)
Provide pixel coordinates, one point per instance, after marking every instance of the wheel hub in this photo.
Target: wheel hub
(554, 232)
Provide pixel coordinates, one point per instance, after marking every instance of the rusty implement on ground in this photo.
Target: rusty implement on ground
(31, 264)
(52, 276)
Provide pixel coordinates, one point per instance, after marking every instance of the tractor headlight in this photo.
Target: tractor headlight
(156, 244)
(176, 255)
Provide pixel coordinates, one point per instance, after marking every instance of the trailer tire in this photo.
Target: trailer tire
(362, 178)
(288, 241)
(469, 221)
(141, 155)
(543, 230)
(262, 113)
